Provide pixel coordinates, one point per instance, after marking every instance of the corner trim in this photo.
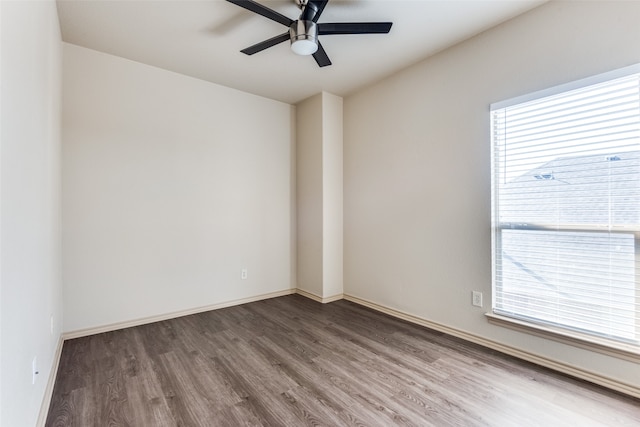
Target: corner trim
(48, 391)
(145, 320)
(317, 298)
(555, 365)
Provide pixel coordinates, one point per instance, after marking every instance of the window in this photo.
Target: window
(566, 208)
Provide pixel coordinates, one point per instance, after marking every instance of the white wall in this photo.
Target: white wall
(332, 189)
(171, 185)
(309, 194)
(30, 283)
(319, 196)
(417, 166)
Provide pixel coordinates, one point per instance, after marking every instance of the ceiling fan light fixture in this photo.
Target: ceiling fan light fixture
(304, 37)
(304, 47)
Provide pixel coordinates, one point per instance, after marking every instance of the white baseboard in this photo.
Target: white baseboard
(317, 298)
(145, 320)
(564, 368)
(48, 391)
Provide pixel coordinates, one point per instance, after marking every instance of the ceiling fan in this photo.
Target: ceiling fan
(303, 33)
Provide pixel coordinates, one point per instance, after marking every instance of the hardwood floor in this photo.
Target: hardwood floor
(290, 361)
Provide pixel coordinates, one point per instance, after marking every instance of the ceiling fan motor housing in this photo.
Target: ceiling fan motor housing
(304, 37)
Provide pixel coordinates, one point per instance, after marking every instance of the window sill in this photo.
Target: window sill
(576, 339)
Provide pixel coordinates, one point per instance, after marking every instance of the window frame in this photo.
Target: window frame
(558, 333)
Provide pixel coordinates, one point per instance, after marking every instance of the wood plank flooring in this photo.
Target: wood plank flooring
(290, 361)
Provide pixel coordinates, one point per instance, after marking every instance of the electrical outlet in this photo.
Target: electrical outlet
(34, 370)
(244, 274)
(476, 298)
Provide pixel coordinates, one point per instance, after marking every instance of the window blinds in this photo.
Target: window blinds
(566, 206)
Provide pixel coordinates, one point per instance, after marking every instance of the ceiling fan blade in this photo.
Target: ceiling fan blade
(312, 10)
(321, 4)
(321, 57)
(354, 28)
(262, 10)
(258, 47)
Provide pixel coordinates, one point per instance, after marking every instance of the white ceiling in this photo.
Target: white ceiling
(203, 39)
